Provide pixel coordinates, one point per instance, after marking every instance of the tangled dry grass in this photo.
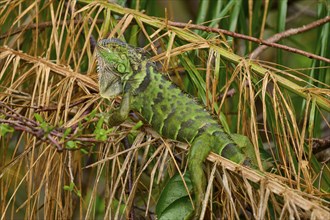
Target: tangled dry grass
(60, 160)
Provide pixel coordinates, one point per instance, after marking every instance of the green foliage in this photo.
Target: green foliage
(101, 133)
(174, 201)
(71, 145)
(72, 188)
(137, 126)
(45, 126)
(4, 129)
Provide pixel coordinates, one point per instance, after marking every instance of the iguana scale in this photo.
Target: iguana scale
(125, 70)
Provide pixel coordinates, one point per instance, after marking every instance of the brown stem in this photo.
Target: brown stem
(253, 39)
(21, 123)
(207, 29)
(41, 26)
(293, 31)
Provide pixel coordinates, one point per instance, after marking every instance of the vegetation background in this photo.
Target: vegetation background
(60, 160)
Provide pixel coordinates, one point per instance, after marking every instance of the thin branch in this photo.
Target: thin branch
(253, 39)
(274, 184)
(42, 26)
(265, 43)
(55, 136)
(320, 145)
(293, 31)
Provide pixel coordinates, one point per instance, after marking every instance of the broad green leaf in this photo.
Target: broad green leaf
(174, 200)
(179, 209)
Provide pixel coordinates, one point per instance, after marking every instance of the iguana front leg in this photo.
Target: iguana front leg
(199, 150)
(121, 114)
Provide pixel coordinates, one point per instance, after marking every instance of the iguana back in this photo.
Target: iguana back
(172, 113)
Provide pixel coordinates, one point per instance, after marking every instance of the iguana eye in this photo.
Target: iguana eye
(121, 68)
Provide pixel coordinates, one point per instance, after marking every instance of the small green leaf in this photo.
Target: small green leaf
(46, 127)
(91, 115)
(71, 144)
(67, 132)
(70, 187)
(78, 193)
(137, 125)
(100, 122)
(38, 118)
(66, 188)
(101, 134)
(4, 129)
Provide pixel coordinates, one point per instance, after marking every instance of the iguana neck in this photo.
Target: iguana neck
(139, 79)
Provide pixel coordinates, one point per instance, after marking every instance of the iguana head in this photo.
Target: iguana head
(116, 60)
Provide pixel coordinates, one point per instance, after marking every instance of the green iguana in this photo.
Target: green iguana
(127, 71)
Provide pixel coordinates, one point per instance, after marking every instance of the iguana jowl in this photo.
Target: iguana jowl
(125, 70)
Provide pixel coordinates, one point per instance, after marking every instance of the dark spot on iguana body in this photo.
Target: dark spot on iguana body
(202, 129)
(159, 98)
(220, 134)
(187, 124)
(172, 86)
(146, 81)
(164, 108)
(167, 121)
